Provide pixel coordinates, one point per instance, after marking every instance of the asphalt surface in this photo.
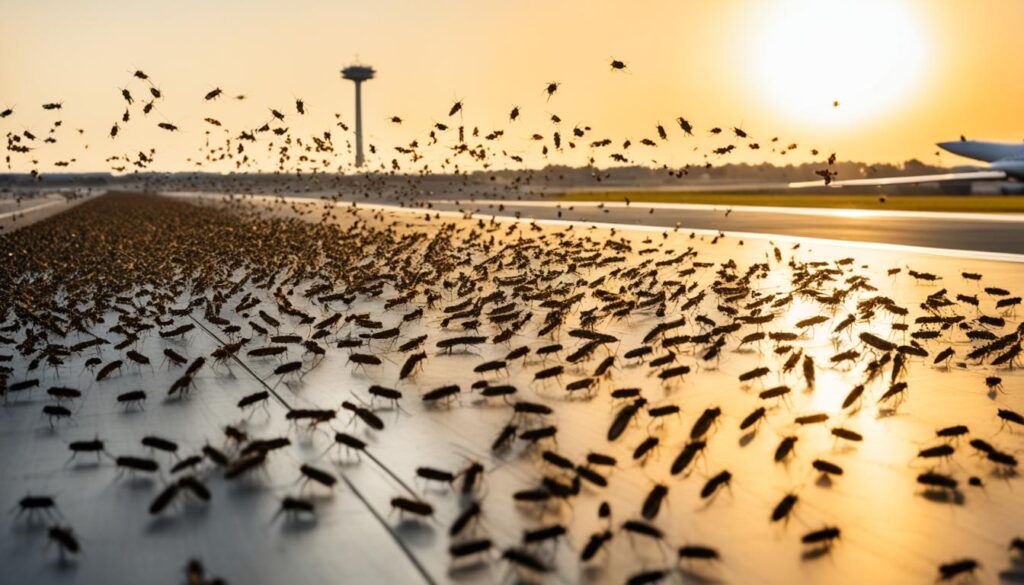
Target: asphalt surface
(976, 232)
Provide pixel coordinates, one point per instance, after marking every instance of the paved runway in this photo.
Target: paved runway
(1003, 233)
(886, 517)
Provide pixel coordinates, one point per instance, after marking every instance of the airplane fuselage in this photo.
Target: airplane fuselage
(1007, 157)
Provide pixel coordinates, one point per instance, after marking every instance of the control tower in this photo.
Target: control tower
(358, 74)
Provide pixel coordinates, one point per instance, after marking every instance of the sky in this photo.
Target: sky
(905, 73)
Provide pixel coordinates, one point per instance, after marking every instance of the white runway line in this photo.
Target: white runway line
(813, 211)
(32, 209)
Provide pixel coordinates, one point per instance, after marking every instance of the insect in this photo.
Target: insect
(785, 448)
(310, 473)
(33, 504)
(784, 507)
(108, 369)
(294, 507)
(410, 364)
(366, 415)
(1010, 416)
(543, 533)
(538, 434)
(389, 394)
(132, 398)
(525, 560)
(723, 478)
(645, 447)
(846, 434)
(827, 467)
(623, 418)
(415, 507)
(65, 539)
(652, 504)
(159, 444)
(254, 398)
(174, 357)
(752, 419)
(703, 424)
(687, 455)
(442, 393)
(698, 552)
(595, 544)
(825, 536)
(55, 412)
(643, 528)
(470, 547)
(949, 571)
(933, 479)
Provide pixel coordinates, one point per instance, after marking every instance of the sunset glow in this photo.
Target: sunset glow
(840, 63)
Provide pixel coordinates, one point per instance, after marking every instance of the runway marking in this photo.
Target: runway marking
(813, 211)
(272, 391)
(390, 530)
(945, 252)
(32, 209)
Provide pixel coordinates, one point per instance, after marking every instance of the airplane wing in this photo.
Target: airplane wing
(885, 181)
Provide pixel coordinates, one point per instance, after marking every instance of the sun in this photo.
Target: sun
(839, 62)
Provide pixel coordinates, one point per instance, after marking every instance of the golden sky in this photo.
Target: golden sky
(906, 73)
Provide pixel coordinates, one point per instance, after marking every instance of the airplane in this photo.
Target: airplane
(1005, 162)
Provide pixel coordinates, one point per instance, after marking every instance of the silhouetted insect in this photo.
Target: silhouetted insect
(785, 448)
(410, 364)
(784, 507)
(827, 467)
(523, 559)
(652, 504)
(32, 504)
(175, 357)
(704, 422)
(643, 528)
(698, 552)
(94, 446)
(254, 398)
(310, 473)
(55, 412)
(159, 444)
(623, 418)
(108, 369)
(132, 398)
(939, 451)
(825, 535)
(470, 547)
(442, 393)
(65, 539)
(137, 464)
(414, 507)
(544, 533)
(686, 456)
(713, 484)
(933, 479)
(294, 506)
(752, 418)
(949, 571)
(364, 414)
(594, 545)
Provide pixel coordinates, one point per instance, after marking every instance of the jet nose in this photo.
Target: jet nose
(954, 146)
